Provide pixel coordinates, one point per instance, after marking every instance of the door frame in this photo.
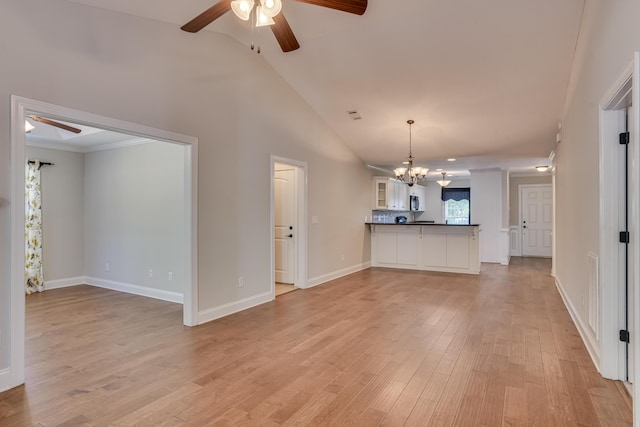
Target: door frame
(301, 246)
(19, 108)
(520, 188)
(611, 123)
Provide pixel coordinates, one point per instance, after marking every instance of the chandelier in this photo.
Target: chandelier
(444, 182)
(265, 10)
(411, 175)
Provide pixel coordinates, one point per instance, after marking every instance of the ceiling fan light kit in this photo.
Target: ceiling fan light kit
(411, 175)
(262, 19)
(242, 8)
(268, 13)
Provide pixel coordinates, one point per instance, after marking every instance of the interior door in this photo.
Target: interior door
(536, 218)
(284, 206)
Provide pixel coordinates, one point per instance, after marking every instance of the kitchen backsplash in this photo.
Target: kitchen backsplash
(389, 217)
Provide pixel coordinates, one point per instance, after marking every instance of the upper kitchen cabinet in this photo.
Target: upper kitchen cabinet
(420, 191)
(390, 194)
(380, 193)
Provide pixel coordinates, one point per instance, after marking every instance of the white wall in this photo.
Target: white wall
(486, 210)
(62, 188)
(135, 221)
(608, 38)
(207, 86)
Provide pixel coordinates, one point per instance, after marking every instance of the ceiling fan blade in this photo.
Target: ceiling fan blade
(54, 123)
(207, 17)
(284, 34)
(351, 6)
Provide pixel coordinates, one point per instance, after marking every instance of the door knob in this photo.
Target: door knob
(290, 235)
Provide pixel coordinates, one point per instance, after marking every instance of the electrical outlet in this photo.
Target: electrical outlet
(240, 281)
(342, 257)
(150, 273)
(170, 276)
(314, 220)
(582, 297)
(106, 267)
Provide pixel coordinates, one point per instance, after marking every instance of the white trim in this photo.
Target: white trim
(19, 107)
(634, 190)
(6, 379)
(89, 149)
(589, 341)
(234, 307)
(505, 252)
(65, 283)
(302, 261)
(315, 281)
(136, 289)
(612, 121)
(514, 241)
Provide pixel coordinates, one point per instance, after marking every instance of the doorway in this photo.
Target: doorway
(536, 219)
(285, 226)
(20, 108)
(288, 225)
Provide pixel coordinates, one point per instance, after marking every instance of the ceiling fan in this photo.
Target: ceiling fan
(50, 123)
(268, 13)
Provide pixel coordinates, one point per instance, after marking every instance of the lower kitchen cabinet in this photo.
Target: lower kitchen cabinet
(447, 248)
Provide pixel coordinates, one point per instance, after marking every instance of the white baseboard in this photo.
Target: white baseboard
(136, 289)
(6, 380)
(64, 283)
(315, 281)
(588, 339)
(233, 307)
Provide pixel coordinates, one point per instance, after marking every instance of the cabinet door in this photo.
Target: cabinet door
(392, 191)
(386, 244)
(458, 250)
(407, 248)
(403, 196)
(380, 194)
(435, 249)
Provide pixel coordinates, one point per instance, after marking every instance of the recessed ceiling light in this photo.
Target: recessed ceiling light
(451, 160)
(405, 163)
(542, 168)
(438, 170)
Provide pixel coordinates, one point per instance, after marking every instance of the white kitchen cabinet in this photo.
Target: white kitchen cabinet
(421, 192)
(447, 248)
(390, 194)
(381, 193)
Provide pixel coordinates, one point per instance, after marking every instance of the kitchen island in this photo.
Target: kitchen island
(448, 248)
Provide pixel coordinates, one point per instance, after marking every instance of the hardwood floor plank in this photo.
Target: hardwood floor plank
(381, 347)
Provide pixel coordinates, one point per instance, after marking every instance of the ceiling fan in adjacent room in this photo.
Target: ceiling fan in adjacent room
(29, 127)
(268, 13)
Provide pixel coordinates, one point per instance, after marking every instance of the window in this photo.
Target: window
(457, 203)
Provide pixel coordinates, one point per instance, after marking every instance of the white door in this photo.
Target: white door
(536, 213)
(284, 186)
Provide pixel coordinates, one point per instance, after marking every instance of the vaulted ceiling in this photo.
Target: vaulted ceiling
(485, 81)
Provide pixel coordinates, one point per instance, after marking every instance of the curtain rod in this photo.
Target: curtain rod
(42, 163)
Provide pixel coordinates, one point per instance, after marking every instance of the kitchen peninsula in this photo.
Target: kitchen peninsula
(422, 245)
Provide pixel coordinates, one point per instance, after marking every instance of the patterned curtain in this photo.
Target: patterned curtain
(33, 230)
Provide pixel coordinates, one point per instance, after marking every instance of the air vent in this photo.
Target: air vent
(354, 115)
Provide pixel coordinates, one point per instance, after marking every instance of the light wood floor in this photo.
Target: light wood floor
(379, 347)
(282, 289)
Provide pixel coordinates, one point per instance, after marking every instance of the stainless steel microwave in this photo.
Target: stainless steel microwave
(414, 203)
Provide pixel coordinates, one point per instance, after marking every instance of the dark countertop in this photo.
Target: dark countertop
(421, 223)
